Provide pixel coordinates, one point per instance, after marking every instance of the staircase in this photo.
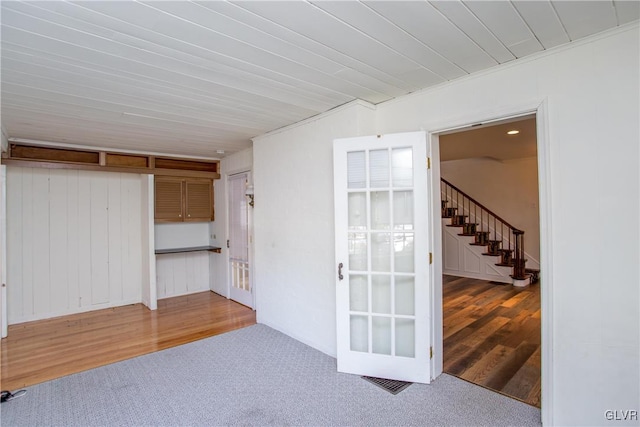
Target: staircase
(490, 235)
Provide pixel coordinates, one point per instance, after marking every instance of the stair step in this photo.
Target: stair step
(449, 212)
(490, 254)
(502, 264)
(467, 234)
(478, 244)
(535, 274)
(459, 220)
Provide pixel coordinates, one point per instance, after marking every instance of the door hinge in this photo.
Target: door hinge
(428, 162)
(227, 244)
(430, 352)
(430, 257)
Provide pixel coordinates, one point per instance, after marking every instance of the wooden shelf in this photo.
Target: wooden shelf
(191, 249)
(53, 157)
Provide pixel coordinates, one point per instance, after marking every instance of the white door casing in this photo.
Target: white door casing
(239, 277)
(4, 319)
(382, 225)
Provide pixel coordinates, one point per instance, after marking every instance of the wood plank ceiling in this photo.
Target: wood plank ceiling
(191, 78)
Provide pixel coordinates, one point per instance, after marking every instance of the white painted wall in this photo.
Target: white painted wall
(509, 188)
(241, 161)
(73, 241)
(592, 97)
(593, 120)
(181, 234)
(294, 225)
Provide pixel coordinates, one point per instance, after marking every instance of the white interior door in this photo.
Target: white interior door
(382, 256)
(241, 289)
(3, 252)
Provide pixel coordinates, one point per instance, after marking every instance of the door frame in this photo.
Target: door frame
(4, 316)
(539, 108)
(227, 262)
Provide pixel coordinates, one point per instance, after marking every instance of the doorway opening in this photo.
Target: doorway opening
(241, 289)
(491, 328)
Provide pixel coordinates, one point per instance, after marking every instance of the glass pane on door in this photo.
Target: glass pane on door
(381, 251)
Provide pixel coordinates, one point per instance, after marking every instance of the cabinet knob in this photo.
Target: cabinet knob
(179, 215)
(189, 215)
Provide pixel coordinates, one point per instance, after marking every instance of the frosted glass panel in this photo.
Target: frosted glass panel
(405, 337)
(357, 251)
(405, 292)
(359, 333)
(379, 168)
(403, 252)
(357, 211)
(381, 335)
(381, 252)
(402, 210)
(402, 167)
(380, 210)
(381, 294)
(356, 170)
(358, 295)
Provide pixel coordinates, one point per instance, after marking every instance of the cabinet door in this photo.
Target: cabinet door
(199, 200)
(168, 202)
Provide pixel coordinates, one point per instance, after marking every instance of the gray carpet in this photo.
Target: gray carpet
(252, 376)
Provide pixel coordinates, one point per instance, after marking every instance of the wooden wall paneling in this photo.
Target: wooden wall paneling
(15, 244)
(84, 238)
(74, 241)
(131, 242)
(58, 241)
(28, 260)
(148, 267)
(114, 255)
(163, 272)
(190, 270)
(73, 238)
(99, 239)
(197, 264)
(203, 272)
(40, 241)
(180, 275)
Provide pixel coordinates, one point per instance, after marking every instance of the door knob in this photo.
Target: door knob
(340, 276)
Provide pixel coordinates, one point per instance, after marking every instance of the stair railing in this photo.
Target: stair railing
(479, 221)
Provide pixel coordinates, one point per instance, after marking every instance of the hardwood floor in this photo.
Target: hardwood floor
(492, 336)
(39, 351)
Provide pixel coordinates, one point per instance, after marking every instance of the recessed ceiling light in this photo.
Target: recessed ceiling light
(513, 132)
(220, 151)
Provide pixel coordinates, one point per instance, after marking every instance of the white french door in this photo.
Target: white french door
(241, 289)
(382, 256)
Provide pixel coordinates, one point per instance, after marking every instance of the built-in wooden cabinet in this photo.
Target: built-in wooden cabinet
(183, 199)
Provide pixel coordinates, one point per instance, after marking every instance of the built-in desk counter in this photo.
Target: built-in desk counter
(182, 271)
(191, 249)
